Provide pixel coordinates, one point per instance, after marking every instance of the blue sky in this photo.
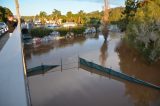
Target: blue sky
(33, 7)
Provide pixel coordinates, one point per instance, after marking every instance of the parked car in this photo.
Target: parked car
(2, 31)
(3, 26)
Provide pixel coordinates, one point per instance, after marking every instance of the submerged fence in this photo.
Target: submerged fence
(116, 74)
(98, 68)
(43, 68)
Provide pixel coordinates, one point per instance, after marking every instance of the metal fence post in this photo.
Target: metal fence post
(61, 64)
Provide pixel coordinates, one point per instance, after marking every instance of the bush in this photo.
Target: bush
(78, 30)
(62, 31)
(75, 30)
(143, 30)
(145, 37)
(40, 32)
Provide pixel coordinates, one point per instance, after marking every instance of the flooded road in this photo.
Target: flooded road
(72, 85)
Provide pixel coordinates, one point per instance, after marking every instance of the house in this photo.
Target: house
(69, 24)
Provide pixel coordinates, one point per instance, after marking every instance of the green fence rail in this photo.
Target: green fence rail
(116, 74)
(40, 69)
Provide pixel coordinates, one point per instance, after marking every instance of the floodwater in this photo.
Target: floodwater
(74, 85)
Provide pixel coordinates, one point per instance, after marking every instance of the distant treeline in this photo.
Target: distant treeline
(80, 18)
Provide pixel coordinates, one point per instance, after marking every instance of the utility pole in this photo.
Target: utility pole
(106, 11)
(105, 19)
(17, 11)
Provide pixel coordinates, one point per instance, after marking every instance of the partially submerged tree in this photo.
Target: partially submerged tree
(144, 29)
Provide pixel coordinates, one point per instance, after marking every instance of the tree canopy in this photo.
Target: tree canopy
(4, 13)
(80, 17)
(56, 14)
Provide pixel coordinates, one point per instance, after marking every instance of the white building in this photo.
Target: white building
(69, 24)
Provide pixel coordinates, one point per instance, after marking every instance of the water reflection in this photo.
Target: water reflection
(39, 49)
(103, 53)
(134, 65)
(105, 31)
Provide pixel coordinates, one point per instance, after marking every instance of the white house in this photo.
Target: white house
(69, 24)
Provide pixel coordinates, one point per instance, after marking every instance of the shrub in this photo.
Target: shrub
(40, 32)
(145, 37)
(75, 30)
(78, 30)
(62, 31)
(143, 30)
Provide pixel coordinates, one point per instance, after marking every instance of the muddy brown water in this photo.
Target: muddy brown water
(78, 86)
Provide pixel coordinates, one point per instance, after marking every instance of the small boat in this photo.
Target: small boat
(69, 35)
(36, 40)
(54, 33)
(90, 30)
(46, 39)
